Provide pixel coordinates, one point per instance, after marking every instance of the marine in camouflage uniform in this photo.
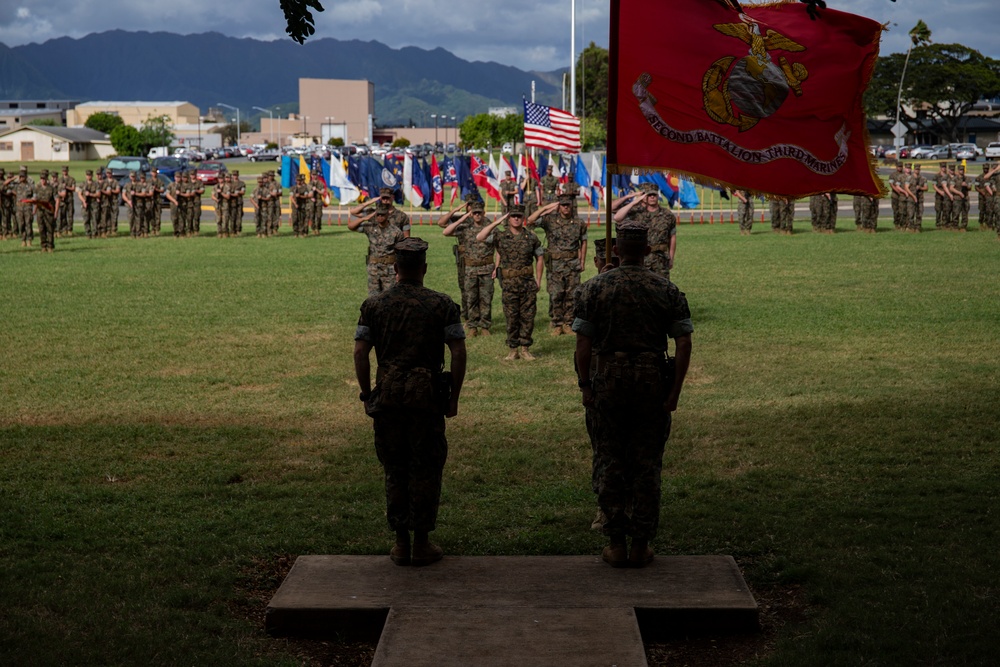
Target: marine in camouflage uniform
(443, 221)
(532, 193)
(744, 211)
(508, 192)
(6, 205)
(66, 189)
(46, 207)
(550, 186)
(256, 200)
(519, 268)
(316, 215)
(478, 267)
(173, 199)
(90, 199)
(788, 216)
(386, 197)
(566, 239)
(382, 239)
(199, 192)
(960, 210)
(301, 198)
(409, 326)
(24, 190)
(992, 198)
(277, 195)
(155, 191)
(943, 197)
(644, 206)
(128, 197)
(776, 207)
(919, 188)
(908, 199)
(623, 319)
(237, 190)
(895, 188)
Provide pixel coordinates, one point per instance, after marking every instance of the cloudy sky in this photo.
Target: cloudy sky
(529, 34)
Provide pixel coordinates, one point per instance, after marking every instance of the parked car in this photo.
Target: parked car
(208, 172)
(121, 166)
(169, 166)
(966, 152)
(920, 152)
(993, 151)
(507, 148)
(265, 156)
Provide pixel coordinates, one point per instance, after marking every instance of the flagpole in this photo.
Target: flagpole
(608, 222)
(572, 57)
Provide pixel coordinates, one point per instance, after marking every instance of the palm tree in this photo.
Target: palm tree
(919, 36)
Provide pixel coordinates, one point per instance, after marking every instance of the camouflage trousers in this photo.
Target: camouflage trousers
(907, 210)
(46, 228)
(629, 429)
(519, 308)
(91, 217)
(6, 217)
(66, 212)
(658, 262)
(478, 295)
(960, 213)
(988, 212)
(412, 448)
(896, 212)
(942, 213)
(222, 217)
(562, 281)
(236, 215)
(744, 213)
(380, 277)
(917, 219)
(24, 222)
(460, 269)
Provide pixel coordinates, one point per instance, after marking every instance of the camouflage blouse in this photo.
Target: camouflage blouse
(517, 251)
(630, 309)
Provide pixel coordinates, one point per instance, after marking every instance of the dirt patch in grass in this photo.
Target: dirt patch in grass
(779, 606)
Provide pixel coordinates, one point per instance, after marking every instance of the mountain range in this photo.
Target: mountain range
(204, 69)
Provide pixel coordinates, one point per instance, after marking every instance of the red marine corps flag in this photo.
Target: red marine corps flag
(762, 99)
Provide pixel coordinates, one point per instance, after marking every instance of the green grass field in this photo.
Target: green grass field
(178, 415)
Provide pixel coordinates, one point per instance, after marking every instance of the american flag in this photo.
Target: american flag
(548, 127)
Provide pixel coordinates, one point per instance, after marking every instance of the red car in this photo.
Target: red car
(208, 172)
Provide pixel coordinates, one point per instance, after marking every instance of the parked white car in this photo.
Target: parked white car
(993, 151)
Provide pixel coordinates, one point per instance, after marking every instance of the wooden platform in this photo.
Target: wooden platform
(503, 610)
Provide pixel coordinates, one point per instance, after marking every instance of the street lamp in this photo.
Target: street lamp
(435, 117)
(270, 123)
(456, 130)
(239, 136)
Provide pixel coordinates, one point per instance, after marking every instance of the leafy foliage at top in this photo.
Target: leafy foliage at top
(944, 81)
(102, 121)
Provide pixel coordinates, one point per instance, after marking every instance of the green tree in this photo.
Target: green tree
(592, 83)
(126, 141)
(947, 80)
(402, 142)
(44, 122)
(336, 141)
(593, 133)
(482, 130)
(104, 122)
(156, 131)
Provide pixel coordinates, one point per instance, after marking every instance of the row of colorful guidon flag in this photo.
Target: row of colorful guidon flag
(423, 183)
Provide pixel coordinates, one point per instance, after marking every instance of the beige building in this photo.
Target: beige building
(11, 119)
(54, 144)
(337, 108)
(135, 113)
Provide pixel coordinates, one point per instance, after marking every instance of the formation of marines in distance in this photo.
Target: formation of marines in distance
(100, 197)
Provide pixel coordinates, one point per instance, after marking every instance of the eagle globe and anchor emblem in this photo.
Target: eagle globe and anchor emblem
(741, 91)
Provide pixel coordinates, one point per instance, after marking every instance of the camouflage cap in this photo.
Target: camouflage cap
(412, 244)
(565, 199)
(908, 165)
(517, 210)
(382, 209)
(469, 198)
(235, 172)
(649, 188)
(300, 177)
(90, 172)
(44, 173)
(24, 168)
(601, 245)
(630, 230)
(916, 167)
(943, 165)
(386, 192)
(65, 168)
(899, 166)
(477, 207)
